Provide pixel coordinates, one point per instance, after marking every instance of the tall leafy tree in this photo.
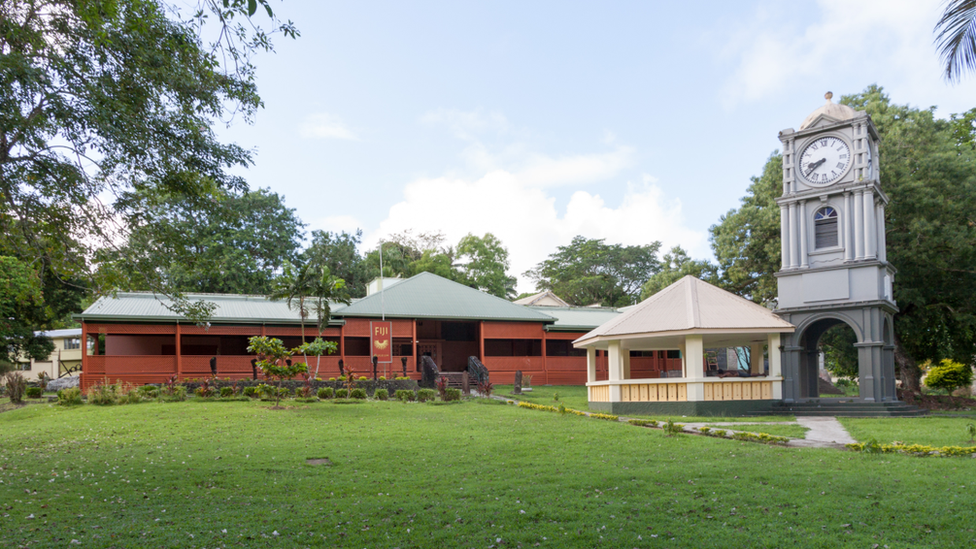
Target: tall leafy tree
(238, 245)
(746, 240)
(675, 265)
(21, 309)
(340, 253)
(588, 271)
(105, 102)
(485, 265)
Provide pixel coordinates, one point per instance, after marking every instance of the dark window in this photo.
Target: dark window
(674, 354)
(357, 346)
(825, 227)
(402, 347)
(645, 354)
(459, 331)
(513, 347)
(555, 347)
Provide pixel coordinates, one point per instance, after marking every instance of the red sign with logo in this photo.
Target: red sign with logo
(381, 340)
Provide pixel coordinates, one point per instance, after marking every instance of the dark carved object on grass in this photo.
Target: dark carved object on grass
(254, 368)
(477, 370)
(518, 383)
(213, 366)
(429, 373)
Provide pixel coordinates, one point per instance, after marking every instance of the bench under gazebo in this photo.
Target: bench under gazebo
(690, 316)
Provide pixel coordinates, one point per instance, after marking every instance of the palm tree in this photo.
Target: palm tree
(956, 38)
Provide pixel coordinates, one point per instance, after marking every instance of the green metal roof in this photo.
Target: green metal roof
(233, 309)
(577, 319)
(427, 295)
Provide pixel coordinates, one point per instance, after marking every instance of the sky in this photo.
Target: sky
(538, 121)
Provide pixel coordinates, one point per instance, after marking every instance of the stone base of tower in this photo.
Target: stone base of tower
(872, 322)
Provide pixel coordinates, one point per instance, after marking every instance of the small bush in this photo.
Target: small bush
(452, 394)
(363, 378)
(226, 392)
(949, 375)
(69, 397)
(16, 386)
(102, 394)
(331, 379)
(671, 428)
(358, 394)
(424, 395)
(382, 378)
(132, 396)
(326, 393)
(35, 392)
(381, 394)
(251, 392)
(405, 395)
(149, 391)
(486, 388)
(342, 393)
(401, 378)
(176, 393)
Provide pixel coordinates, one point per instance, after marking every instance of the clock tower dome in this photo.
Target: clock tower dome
(834, 265)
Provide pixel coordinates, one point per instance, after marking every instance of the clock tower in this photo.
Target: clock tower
(834, 266)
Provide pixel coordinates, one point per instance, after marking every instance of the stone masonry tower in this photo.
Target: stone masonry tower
(834, 266)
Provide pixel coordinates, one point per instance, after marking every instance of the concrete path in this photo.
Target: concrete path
(824, 432)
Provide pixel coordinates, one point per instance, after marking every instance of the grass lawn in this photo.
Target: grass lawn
(792, 431)
(574, 396)
(932, 431)
(477, 474)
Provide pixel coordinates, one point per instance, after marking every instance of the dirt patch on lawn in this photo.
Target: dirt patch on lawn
(937, 402)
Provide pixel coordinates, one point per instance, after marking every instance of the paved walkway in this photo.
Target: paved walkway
(824, 432)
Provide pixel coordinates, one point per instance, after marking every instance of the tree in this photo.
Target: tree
(676, 265)
(105, 103)
(406, 254)
(273, 361)
(238, 246)
(21, 303)
(318, 347)
(340, 253)
(949, 375)
(308, 287)
(746, 241)
(485, 265)
(957, 38)
(840, 354)
(588, 271)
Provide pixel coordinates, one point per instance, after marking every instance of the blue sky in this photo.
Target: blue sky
(538, 121)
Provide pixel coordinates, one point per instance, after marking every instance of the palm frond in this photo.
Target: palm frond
(956, 38)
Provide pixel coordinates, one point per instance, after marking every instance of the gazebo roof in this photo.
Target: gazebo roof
(689, 306)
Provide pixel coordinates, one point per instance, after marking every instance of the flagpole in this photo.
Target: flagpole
(382, 298)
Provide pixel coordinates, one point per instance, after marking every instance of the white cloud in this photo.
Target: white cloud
(467, 125)
(335, 223)
(326, 126)
(527, 221)
(862, 40)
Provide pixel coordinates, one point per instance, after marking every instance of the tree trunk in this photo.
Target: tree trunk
(908, 370)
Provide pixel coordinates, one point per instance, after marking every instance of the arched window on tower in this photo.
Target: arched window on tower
(825, 227)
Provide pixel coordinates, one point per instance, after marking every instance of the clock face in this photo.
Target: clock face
(824, 160)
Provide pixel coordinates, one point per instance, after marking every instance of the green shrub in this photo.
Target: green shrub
(342, 393)
(331, 379)
(251, 392)
(16, 386)
(149, 391)
(402, 378)
(284, 392)
(326, 393)
(132, 396)
(452, 393)
(226, 392)
(363, 378)
(102, 394)
(405, 395)
(69, 397)
(176, 393)
(359, 394)
(671, 428)
(424, 395)
(949, 375)
(35, 392)
(382, 378)
(381, 394)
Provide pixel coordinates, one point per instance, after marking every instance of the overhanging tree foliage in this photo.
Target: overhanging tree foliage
(675, 265)
(105, 103)
(588, 271)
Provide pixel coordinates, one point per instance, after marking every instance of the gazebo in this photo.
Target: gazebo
(690, 316)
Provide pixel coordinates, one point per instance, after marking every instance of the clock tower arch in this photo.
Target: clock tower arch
(834, 266)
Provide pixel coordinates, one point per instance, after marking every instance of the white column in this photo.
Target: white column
(755, 358)
(692, 356)
(794, 256)
(590, 364)
(847, 218)
(802, 210)
(784, 234)
(882, 238)
(858, 225)
(870, 227)
(775, 366)
(615, 362)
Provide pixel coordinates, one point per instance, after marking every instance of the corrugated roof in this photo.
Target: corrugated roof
(540, 299)
(146, 306)
(576, 319)
(690, 305)
(427, 295)
(66, 332)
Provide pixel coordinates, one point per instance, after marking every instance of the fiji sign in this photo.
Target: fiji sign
(381, 340)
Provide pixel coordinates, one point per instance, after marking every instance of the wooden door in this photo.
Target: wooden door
(431, 349)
